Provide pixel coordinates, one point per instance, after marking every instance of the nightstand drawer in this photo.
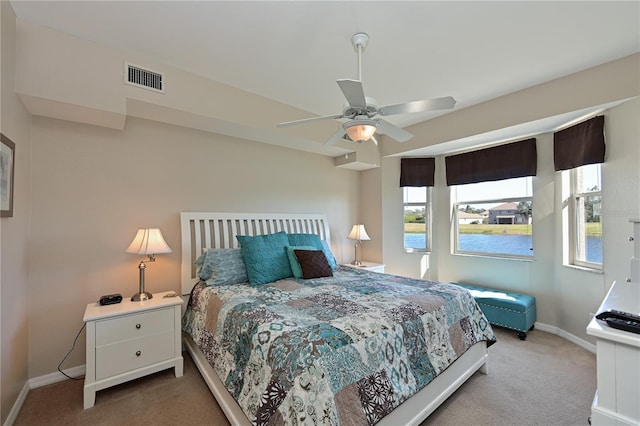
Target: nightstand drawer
(133, 326)
(131, 354)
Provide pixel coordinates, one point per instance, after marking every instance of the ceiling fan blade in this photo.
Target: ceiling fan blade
(418, 106)
(353, 91)
(307, 120)
(393, 131)
(335, 137)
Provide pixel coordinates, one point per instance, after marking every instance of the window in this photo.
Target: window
(417, 218)
(494, 218)
(585, 227)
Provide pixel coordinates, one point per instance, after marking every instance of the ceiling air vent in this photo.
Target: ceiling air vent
(138, 76)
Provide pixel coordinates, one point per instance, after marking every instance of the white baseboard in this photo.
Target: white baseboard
(55, 377)
(570, 337)
(13, 414)
(37, 382)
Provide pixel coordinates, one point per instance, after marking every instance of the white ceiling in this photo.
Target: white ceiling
(293, 51)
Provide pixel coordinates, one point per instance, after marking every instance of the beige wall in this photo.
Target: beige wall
(14, 232)
(93, 187)
(370, 190)
(621, 183)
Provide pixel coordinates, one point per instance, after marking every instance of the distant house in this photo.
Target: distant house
(506, 213)
(465, 218)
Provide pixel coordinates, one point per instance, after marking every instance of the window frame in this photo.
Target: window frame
(577, 220)
(456, 223)
(427, 205)
(457, 204)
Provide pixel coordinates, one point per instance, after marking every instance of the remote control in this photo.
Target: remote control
(626, 325)
(628, 315)
(621, 320)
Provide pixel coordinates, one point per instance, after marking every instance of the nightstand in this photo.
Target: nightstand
(369, 266)
(128, 340)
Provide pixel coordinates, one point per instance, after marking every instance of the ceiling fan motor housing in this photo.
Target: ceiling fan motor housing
(370, 110)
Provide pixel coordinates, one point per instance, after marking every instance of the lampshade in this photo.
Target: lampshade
(360, 130)
(358, 233)
(148, 241)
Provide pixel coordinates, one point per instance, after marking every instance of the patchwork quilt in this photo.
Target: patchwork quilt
(346, 349)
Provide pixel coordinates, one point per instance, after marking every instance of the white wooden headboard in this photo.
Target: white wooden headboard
(219, 230)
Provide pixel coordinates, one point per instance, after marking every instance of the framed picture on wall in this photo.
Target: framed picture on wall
(7, 162)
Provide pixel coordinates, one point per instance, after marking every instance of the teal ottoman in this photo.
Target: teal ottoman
(505, 309)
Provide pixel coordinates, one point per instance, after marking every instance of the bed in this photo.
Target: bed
(355, 347)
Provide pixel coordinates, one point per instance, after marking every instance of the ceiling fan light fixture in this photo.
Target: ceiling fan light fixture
(361, 130)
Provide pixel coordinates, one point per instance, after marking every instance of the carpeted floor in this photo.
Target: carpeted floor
(544, 380)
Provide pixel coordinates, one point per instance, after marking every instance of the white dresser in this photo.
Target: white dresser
(617, 399)
(128, 340)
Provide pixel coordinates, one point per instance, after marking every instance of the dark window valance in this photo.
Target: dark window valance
(579, 145)
(417, 171)
(508, 161)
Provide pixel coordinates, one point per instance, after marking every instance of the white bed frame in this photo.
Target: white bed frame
(218, 230)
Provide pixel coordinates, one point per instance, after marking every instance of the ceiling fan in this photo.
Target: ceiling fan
(362, 112)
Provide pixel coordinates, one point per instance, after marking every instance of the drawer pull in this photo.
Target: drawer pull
(138, 326)
(138, 353)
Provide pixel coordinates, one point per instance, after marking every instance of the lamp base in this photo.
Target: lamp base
(356, 262)
(141, 297)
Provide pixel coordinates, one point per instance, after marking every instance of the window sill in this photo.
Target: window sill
(417, 251)
(583, 268)
(495, 257)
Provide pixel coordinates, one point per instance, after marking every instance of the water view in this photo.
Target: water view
(520, 245)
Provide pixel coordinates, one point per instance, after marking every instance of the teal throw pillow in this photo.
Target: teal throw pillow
(265, 257)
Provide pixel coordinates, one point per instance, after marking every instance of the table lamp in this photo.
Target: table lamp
(359, 234)
(148, 241)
